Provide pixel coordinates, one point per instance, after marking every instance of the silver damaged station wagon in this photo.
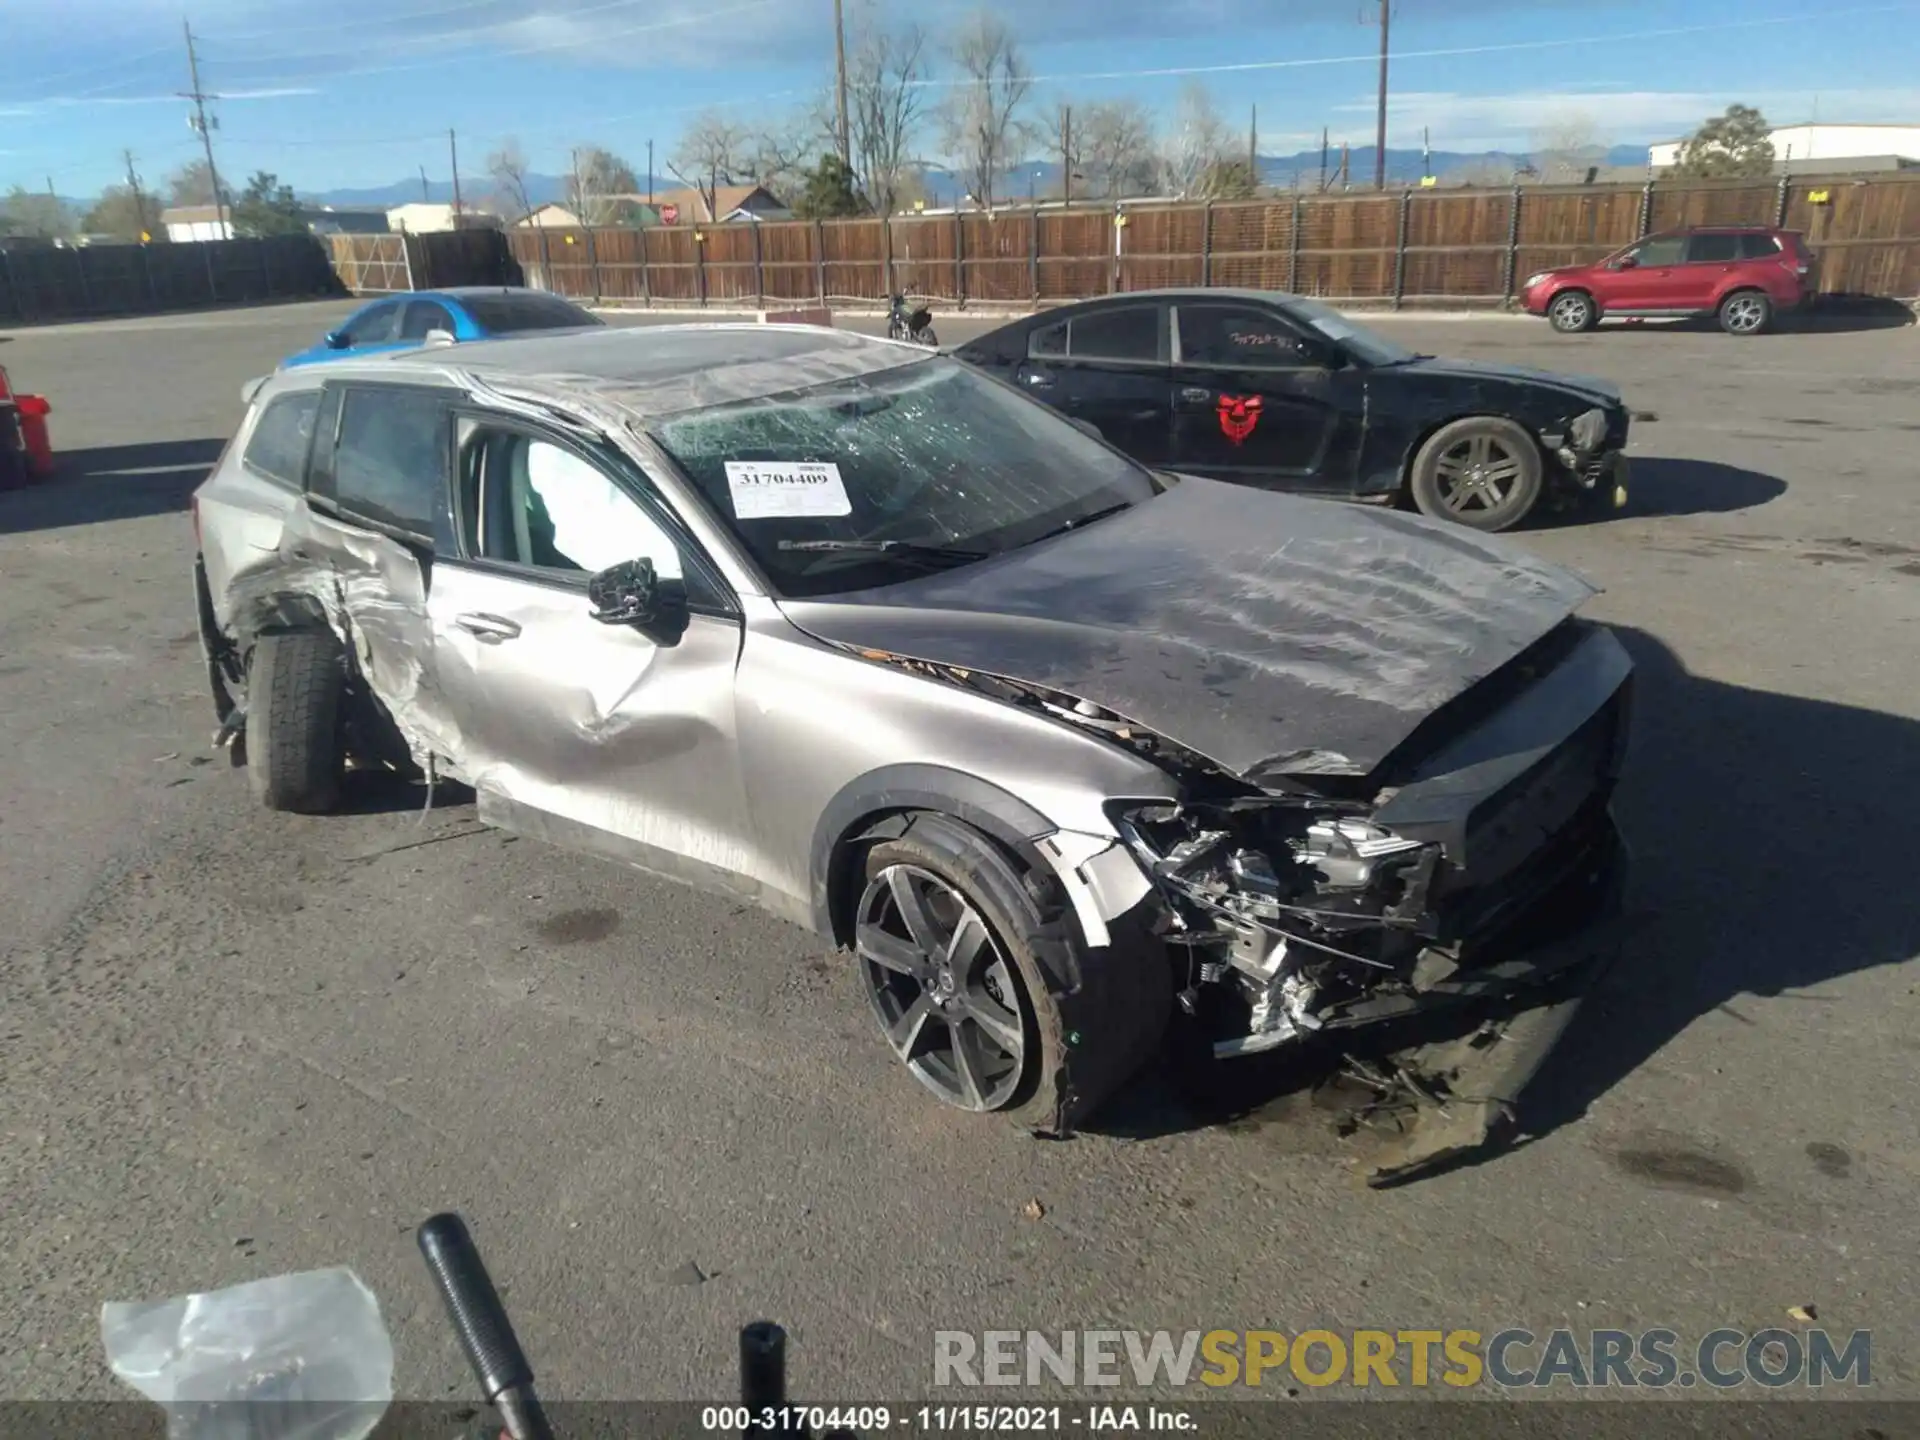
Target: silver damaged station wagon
(1085, 764)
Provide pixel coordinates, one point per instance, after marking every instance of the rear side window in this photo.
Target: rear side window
(1758, 247)
(390, 465)
(281, 436)
(1713, 249)
(1129, 334)
(511, 314)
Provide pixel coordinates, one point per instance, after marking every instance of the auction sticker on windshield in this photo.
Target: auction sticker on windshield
(778, 490)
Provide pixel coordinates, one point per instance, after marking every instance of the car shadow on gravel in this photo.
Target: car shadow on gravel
(1666, 485)
(114, 482)
(1738, 806)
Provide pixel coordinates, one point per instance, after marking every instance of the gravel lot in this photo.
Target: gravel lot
(236, 1044)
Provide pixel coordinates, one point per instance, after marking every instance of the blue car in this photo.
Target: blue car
(405, 322)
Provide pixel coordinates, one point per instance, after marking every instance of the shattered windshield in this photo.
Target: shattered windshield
(1369, 345)
(872, 480)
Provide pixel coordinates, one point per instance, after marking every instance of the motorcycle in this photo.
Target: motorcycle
(915, 325)
(307, 1356)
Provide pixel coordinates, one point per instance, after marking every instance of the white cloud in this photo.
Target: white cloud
(1461, 121)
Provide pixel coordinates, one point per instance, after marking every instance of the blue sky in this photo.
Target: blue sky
(362, 92)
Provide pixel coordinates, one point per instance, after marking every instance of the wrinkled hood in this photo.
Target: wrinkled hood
(1272, 634)
(1589, 388)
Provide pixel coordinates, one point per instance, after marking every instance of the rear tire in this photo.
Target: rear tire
(1085, 1022)
(1746, 312)
(1482, 472)
(1572, 312)
(294, 754)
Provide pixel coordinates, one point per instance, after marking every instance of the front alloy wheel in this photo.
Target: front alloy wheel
(949, 1002)
(1478, 476)
(1571, 313)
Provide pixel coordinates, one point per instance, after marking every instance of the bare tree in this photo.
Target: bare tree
(885, 99)
(1197, 141)
(783, 150)
(1067, 139)
(1565, 147)
(191, 184)
(600, 190)
(1116, 138)
(713, 151)
(982, 115)
(507, 167)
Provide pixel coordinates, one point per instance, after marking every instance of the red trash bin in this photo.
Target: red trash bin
(34, 410)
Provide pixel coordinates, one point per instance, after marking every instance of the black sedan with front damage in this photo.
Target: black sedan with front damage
(1281, 392)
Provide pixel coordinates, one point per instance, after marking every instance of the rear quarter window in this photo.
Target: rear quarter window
(514, 314)
(1758, 247)
(281, 437)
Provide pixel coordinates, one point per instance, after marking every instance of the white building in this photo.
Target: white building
(1809, 146)
(196, 222)
(420, 218)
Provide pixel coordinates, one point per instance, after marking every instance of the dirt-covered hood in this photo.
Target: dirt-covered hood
(1272, 634)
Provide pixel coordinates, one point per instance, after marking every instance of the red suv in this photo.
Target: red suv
(1745, 275)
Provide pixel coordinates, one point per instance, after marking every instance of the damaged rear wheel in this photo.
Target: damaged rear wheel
(294, 754)
(944, 936)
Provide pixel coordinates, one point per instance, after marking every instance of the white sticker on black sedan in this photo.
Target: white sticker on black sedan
(778, 490)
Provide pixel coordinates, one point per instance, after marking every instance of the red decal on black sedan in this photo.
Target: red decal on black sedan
(1238, 415)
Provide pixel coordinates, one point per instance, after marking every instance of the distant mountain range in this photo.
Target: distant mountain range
(1403, 167)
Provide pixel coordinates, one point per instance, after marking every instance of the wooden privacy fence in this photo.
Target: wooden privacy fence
(1474, 246)
(77, 283)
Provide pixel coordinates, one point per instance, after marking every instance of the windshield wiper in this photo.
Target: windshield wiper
(1080, 520)
(910, 548)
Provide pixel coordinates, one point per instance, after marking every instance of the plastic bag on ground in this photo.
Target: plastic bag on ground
(291, 1357)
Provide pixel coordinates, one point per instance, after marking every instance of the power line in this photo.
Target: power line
(1504, 47)
(466, 37)
(100, 69)
(540, 48)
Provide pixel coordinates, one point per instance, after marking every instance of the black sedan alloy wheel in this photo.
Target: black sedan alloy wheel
(945, 995)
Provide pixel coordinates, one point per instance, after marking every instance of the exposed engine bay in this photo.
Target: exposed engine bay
(1294, 917)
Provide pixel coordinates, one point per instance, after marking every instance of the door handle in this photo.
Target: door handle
(1037, 379)
(490, 628)
(1195, 395)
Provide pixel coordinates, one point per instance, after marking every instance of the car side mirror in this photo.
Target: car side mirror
(1313, 352)
(625, 594)
(338, 340)
(1625, 262)
(437, 336)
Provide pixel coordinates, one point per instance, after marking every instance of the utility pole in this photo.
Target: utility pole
(139, 197)
(1066, 155)
(1323, 158)
(649, 174)
(1253, 144)
(1380, 138)
(840, 83)
(206, 128)
(453, 156)
(425, 193)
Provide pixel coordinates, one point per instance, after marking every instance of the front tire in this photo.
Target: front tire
(294, 754)
(1746, 312)
(1572, 312)
(1482, 472)
(972, 965)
